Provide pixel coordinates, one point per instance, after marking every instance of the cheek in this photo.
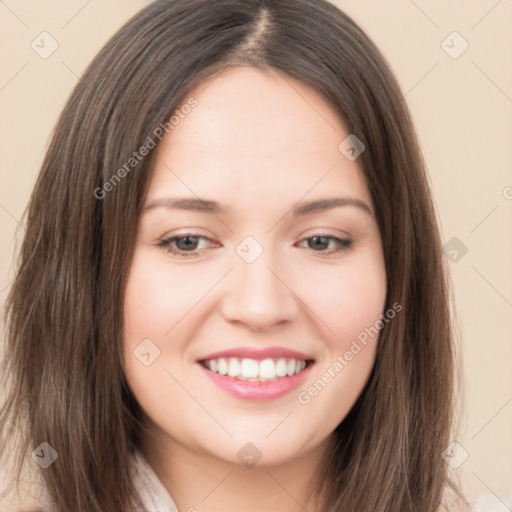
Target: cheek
(349, 298)
(349, 301)
(157, 297)
(152, 307)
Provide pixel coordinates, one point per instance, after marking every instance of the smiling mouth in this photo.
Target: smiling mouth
(253, 370)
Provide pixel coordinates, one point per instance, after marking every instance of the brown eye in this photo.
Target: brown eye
(183, 245)
(320, 242)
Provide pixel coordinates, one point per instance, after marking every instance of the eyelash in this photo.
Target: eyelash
(165, 244)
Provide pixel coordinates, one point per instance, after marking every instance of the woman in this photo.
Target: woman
(256, 371)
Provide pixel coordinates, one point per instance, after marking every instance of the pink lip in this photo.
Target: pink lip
(251, 390)
(258, 353)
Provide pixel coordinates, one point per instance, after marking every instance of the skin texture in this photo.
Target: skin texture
(258, 144)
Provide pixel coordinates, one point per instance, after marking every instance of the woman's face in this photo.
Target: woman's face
(259, 270)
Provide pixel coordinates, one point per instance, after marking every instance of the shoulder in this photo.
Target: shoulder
(492, 503)
(483, 503)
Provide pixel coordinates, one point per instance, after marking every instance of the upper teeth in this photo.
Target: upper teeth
(251, 369)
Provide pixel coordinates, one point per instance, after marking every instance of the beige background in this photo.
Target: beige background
(462, 108)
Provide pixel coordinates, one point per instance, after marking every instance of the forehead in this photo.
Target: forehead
(247, 106)
(251, 130)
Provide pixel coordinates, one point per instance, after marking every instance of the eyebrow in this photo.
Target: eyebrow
(213, 207)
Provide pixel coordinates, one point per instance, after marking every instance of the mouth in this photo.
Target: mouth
(254, 370)
(256, 379)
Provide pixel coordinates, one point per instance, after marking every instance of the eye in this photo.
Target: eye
(340, 244)
(185, 245)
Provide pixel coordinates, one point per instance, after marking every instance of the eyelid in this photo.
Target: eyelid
(341, 244)
(320, 231)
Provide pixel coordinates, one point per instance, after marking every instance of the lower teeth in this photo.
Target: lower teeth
(256, 379)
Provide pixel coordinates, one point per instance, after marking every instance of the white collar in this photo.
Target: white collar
(153, 494)
(156, 498)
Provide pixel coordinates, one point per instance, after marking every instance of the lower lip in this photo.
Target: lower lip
(251, 390)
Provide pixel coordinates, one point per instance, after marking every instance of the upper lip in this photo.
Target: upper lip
(258, 353)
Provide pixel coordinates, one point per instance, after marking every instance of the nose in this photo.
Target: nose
(260, 294)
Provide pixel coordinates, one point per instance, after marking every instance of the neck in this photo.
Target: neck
(201, 482)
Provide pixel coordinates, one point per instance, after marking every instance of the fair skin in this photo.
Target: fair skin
(256, 144)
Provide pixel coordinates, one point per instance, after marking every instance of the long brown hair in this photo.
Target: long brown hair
(63, 367)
